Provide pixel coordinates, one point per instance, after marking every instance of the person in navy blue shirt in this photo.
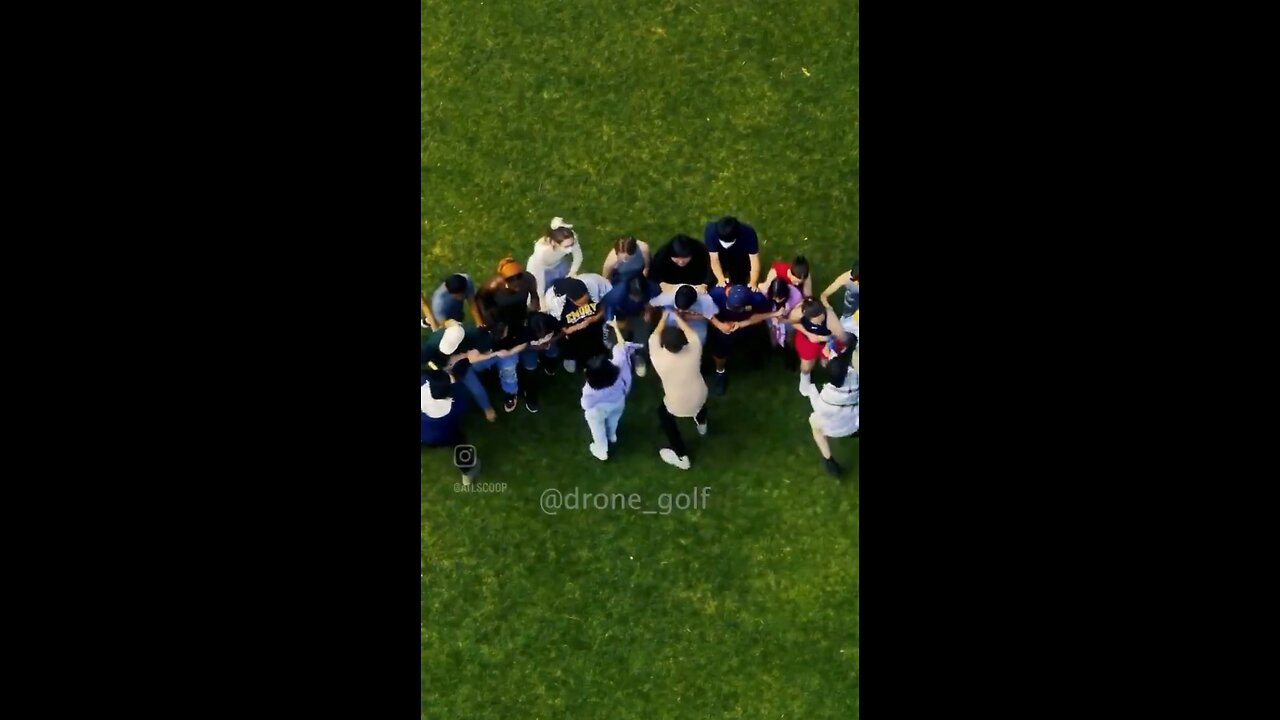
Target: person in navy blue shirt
(734, 251)
(740, 308)
(628, 303)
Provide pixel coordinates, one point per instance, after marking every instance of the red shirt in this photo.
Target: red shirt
(781, 269)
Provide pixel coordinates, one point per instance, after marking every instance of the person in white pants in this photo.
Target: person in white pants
(604, 396)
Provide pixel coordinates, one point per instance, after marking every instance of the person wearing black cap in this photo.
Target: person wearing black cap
(734, 252)
(740, 308)
(581, 317)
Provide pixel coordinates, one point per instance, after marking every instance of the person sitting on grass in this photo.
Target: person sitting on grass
(442, 410)
(676, 355)
(604, 396)
(835, 409)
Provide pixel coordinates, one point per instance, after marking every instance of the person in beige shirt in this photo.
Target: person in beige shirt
(676, 355)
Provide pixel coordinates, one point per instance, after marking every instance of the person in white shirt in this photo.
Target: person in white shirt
(835, 408)
(555, 255)
(686, 302)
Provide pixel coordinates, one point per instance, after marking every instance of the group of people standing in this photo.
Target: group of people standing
(646, 307)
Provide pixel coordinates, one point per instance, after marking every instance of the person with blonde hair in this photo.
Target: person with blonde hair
(558, 254)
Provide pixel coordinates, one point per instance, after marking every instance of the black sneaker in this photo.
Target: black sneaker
(530, 404)
(513, 401)
(549, 367)
(718, 382)
(833, 467)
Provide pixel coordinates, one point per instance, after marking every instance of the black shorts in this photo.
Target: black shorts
(721, 345)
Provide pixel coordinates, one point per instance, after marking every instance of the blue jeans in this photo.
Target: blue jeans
(446, 307)
(473, 384)
(507, 373)
(603, 421)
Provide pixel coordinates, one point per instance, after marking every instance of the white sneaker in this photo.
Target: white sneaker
(669, 457)
(570, 366)
(702, 427)
(641, 368)
(600, 452)
(466, 481)
(613, 439)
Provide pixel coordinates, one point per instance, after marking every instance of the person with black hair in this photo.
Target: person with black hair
(581, 316)
(849, 281)
(835, 408)
(785, 298)
(682, 261)
(796, 273)
(450, 300)
(442, 410)
(687, 302)
(734, 251)
(813, 334)
(625, 309)
(676, 355)
(604, 396)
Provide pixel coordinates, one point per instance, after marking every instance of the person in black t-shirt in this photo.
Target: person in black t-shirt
(582, 322)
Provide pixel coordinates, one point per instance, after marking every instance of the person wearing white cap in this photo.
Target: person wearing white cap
(445, 348)
(550, 260)
(442, 411)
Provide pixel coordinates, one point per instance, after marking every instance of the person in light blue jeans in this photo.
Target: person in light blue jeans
(604, 396)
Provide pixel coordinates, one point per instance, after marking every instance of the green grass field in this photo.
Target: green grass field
(645, 118)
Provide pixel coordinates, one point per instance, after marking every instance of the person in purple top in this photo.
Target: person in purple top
(734, 251)
(604, 396)
(740, 308)
(786, 297)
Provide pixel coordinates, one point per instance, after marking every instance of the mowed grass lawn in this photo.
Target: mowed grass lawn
(648, 118)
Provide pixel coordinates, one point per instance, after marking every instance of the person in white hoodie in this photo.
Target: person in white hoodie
(555, 255)
(835, 407)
